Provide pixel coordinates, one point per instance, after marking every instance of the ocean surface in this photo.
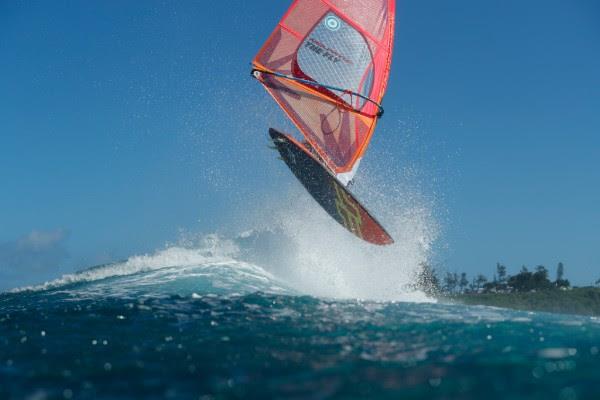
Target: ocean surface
(211, 321)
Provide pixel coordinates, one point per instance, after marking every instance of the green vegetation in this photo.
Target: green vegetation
(527, 290)
(584, 300)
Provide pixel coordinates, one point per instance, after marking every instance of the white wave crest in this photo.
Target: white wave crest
(214, 259)
(302, 245)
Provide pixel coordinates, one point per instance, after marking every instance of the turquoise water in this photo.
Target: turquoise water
(207, 326)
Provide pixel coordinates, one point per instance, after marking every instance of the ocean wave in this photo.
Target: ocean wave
(174, 270)
(283, 253)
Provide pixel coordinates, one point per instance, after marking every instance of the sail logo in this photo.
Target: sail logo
(333, 23)
(326, 52)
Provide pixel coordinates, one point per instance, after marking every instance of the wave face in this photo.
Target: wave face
(210, 269)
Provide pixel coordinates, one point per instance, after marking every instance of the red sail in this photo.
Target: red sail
(327, 65)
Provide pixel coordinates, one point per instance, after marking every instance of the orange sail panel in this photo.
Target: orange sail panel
(327, 65)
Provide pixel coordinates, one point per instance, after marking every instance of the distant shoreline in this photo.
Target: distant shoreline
(578, 300)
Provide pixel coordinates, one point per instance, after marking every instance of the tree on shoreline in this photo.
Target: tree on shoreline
(524, 281)
(464, 282)
(480, 281)
(560, 273)
(501, 273)
(450, 282)
(427, 280)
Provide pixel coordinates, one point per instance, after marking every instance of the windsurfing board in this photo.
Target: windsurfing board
(330, 193)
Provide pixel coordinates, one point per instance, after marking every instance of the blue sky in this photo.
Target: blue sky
(123, 123)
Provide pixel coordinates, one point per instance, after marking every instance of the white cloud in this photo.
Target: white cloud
(40, 240)
(31, 258)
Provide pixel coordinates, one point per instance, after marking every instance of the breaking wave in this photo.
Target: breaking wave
(256, 261)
